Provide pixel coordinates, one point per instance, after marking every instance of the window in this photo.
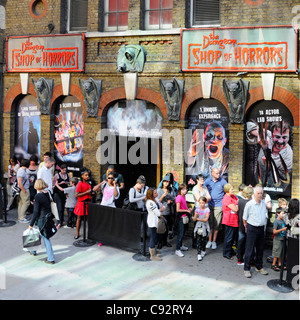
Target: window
(158, 14)
(116, 15)
(78, 15)
(205, 12)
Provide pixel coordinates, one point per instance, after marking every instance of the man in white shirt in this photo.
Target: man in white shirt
(255, 219)
(45, 173)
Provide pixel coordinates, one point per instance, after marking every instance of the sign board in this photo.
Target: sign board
(51, 53)
(249, 49)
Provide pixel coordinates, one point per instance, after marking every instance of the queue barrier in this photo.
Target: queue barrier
(3, 212)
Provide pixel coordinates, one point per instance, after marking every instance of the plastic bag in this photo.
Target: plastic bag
(31, 239)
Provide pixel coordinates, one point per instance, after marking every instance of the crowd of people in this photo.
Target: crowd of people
(243, 215)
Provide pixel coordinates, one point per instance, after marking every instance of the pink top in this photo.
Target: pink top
(230, 218)
(183, 205)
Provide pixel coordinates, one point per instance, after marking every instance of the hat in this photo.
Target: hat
(166, 178)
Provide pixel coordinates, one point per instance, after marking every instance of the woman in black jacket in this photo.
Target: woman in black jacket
(40, 208)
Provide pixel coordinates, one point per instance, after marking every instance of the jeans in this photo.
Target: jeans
(181, 231)
(71, 217)
(153, 238)
(60, 202)
(49, 249)
(230, 235)
(255, 241)
(241, 246)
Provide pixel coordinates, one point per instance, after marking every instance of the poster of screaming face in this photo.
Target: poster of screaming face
(269, 148)
(68, 134)
(207, 140)
(28, 128)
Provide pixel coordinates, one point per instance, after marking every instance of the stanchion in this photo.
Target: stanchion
(5, 222)
(84, 242)
(143, 255)
(281, 285)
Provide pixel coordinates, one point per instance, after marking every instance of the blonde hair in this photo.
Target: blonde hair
(247, 192)
(227, 187)
(40, 184)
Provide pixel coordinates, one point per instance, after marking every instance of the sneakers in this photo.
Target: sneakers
(199, 257)
(262, 271)
(24, 221)
(179, 253)
(49, 262)
(184, 248)
(203, 253)
(247, 273)
(208, 245)
(211, 244)
(240, 263)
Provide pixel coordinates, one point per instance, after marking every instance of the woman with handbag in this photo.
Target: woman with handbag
(182, 218)
(152, 220)
(41, 208)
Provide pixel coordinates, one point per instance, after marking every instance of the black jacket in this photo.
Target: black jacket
(41, 207)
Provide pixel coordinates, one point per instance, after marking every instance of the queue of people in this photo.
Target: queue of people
(244, 215)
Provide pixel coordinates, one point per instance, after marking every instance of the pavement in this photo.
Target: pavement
(107, 273)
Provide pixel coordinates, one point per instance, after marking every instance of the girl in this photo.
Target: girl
(201, 230)
(110, 191)
(152, 220)
(182, 211)
(82, 193)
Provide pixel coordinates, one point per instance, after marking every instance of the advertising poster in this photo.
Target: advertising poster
(68, 134)
(208, 145)
(28, 128)
(269, 148)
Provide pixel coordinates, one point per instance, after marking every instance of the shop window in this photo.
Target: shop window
(205, 12)
(116, 15)
(158, 14)
(78, 15)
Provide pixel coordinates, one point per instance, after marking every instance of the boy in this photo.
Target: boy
(279, 229)
(71, 203)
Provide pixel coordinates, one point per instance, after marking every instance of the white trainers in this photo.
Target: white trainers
(179, 253)
(203, 253)
(208, 245)
(184, 248)
(262, 271)
(247, 274)
(199, 257)
(214, 245)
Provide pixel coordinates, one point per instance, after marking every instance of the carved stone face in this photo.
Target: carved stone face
(87, 86)
(40, 86)
(169, 88)
(233, 88)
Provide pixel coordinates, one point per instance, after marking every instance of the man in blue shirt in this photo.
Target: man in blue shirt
(215, 185)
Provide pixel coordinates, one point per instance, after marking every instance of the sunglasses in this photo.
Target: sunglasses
(110, 178)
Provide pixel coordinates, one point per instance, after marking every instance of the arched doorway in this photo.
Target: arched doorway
(135, 148)
(68, 133)
(28, 128)
(208, 141)
(269, 147)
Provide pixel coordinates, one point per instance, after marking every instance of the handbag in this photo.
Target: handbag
(31, 238)
(129, 205)
(48, 229)
(185, 219)
(15, 189)
(161, 226)
(53, 205)
(295, 228)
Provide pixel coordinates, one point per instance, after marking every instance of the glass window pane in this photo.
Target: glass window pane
(123, 19)
(166, 4)
(112, 5)
(166, 17)
(153, 4)
(123, 5)
(154, 18)
(112, 19)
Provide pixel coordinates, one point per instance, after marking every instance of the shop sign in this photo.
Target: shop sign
(263, 49)
(51, 53)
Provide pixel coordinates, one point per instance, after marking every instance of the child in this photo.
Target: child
(182, 210)
(71, 202)
(82, 193)
(201, 230)
(278, 241)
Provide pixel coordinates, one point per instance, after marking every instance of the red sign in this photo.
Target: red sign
(51, 53)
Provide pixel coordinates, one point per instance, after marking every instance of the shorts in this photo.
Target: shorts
(215, 218)
(277, 248)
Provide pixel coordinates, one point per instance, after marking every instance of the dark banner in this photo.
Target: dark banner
(115, 227)
(28, 128)
(269, 148)
(208, 145)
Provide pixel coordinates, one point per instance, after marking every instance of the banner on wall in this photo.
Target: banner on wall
(68, 133)
(251, 49)
(208, 145)
(28, 128)
(269, 148)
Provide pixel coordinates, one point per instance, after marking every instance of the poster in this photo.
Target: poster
(269, 148)
(28, 128)
(68, 133)
(207, 144)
